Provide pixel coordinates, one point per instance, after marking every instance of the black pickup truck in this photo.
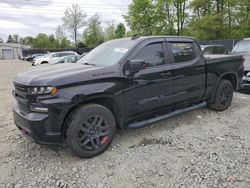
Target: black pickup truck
(123, 83)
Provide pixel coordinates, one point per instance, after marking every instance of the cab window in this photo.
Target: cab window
(182, 52)
(152, 54)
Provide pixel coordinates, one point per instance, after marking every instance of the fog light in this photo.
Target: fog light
(38, 109)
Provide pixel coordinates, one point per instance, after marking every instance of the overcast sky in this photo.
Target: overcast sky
(29, 17)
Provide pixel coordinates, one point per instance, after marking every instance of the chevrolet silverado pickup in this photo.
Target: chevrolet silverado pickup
(123, 83)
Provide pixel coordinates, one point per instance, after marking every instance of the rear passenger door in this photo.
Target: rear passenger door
(189, 72)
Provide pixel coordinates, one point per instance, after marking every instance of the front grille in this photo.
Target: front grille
(24, 107)
(22, 97)
(22, 88)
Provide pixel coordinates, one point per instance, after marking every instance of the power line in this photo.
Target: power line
(37, 20)
(57, 14)
(49, 18)
(52, 12)
(45, 3)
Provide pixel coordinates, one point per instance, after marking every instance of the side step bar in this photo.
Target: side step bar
(144, 123)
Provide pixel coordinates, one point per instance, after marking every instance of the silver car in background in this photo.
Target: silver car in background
(243, 48)
(52, 58)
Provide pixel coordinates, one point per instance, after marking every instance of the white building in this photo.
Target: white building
(11, 50)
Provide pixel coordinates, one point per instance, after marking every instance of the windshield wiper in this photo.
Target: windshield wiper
(89, 64)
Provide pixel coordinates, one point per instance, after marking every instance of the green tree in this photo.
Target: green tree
(52, 40)
(93, 35)
(65, 43)
(146, 17)
(10, 39)
(204, 19)
(141, 17)
(74, 19)
(81, 45)
(241, 18)
(120, 30)
(15, 38)
(181, 14)
(110, 32)
(42, 41)
(219, 19)
(208, 20)
(26, 40)
(165, 17)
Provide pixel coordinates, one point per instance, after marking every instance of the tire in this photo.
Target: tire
(90, 130)
(44, 62)
(223, 96)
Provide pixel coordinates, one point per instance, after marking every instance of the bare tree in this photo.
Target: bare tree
(73, 19)
(59, 33)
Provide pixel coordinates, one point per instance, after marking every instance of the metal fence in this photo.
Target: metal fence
(229, 43)
(36, 51)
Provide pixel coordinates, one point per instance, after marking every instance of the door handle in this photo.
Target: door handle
(166, 74)
(199, 68)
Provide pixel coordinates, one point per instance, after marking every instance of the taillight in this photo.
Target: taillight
(242, 60)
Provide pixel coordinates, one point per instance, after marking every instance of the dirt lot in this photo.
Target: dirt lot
(202, 148)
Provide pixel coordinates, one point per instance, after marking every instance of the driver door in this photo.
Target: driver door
(150, 88)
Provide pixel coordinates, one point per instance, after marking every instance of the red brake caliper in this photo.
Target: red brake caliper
(104, 140)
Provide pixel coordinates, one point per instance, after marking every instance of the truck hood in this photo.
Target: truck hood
(44, 75)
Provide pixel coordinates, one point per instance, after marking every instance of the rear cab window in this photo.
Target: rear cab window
(218, 50)
(183, 52)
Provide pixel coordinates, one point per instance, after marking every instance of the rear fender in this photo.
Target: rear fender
(211, 93)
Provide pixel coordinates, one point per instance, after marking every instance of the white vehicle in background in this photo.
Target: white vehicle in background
(52, 57)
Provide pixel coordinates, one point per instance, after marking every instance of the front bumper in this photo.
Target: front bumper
(36, 126)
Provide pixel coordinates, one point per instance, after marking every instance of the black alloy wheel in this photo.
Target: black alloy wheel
(90, 130)
(223, 96)
(93, 133)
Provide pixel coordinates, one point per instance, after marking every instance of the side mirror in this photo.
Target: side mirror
(136, 65)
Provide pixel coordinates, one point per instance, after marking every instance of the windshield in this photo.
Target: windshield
(108, 53)
(242, 47)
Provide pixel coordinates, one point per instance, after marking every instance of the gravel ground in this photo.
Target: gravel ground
(201, 149)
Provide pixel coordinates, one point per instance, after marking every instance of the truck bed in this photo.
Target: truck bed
(213, 58)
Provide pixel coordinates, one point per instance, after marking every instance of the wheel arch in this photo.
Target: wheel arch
(105, 101)
(230, 76)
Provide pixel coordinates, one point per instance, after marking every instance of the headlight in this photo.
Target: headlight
(43, 90)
